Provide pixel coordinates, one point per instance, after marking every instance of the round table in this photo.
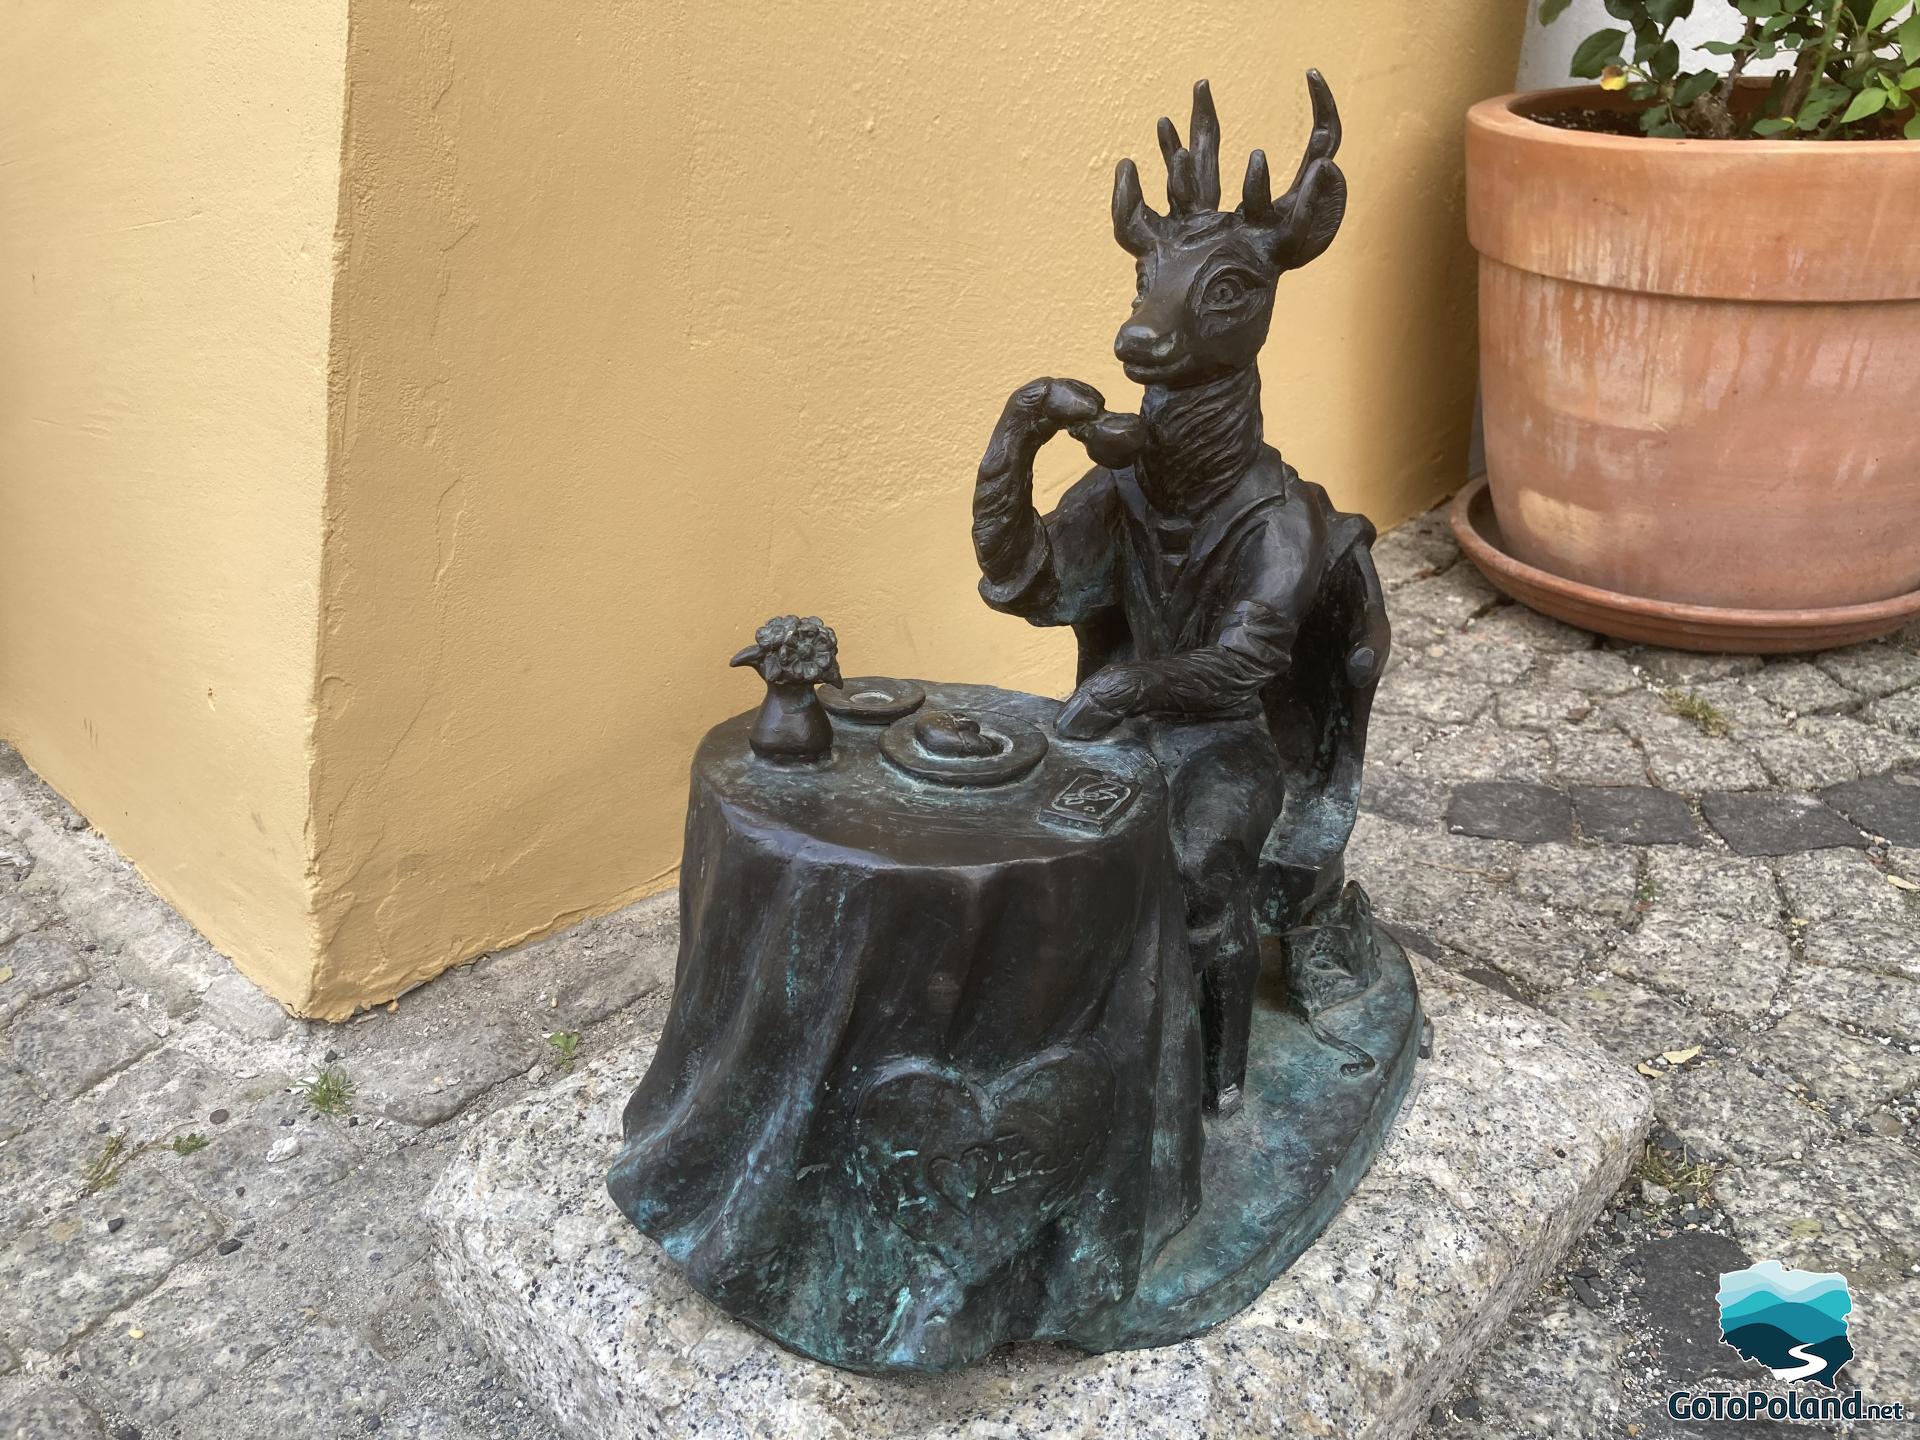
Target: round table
(931, 1076)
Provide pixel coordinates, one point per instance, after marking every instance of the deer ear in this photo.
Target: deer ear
(1319, 205)
(1309, 215)
(1135, 225)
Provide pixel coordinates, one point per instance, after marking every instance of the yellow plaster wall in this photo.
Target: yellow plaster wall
(656, 319)
(168, 192)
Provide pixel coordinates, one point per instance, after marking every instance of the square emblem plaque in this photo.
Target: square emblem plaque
(1091, 798)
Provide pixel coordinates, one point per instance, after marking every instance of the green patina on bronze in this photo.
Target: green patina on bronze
(999, 1018)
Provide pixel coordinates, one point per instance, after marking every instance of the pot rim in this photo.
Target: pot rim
(1701, 219)
(1505, 115)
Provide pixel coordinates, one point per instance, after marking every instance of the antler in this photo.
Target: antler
(1193, 172)
(1304, 221)
(1298, 226)
(1204, 136)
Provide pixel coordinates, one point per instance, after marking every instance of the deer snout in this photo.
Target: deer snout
(1142, 345)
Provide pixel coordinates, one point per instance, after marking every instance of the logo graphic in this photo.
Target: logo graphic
(1794, 1322)
(1092, 799)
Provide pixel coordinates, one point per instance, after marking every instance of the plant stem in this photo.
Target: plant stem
(1718, 105)
(1805, 73)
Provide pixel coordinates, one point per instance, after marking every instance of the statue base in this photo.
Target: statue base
(1315, 1113)
(1505, 1151)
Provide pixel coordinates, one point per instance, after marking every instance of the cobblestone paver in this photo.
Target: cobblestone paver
(1710, 864)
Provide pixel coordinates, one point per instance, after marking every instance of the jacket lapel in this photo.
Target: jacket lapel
(1253, 493)
(1144, 606)
(1162, 622)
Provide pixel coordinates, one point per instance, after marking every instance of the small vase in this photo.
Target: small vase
(792, 724)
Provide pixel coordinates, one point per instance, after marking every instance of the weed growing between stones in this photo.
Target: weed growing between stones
(1700, 710)
(566, 1047)
(119, 1151)
(329, 1093)
(1676, 1173)
(116, 1153)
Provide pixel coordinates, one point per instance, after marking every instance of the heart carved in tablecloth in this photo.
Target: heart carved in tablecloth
(974, 1169)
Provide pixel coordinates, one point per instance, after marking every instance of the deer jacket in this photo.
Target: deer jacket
(1214, 628)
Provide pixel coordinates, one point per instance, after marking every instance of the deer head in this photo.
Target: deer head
(1206, 275)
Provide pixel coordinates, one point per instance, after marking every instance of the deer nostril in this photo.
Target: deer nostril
(1141, 344)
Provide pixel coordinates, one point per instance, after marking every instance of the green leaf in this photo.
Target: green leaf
(1829, 96)
(1775, 126)
(1692, 87)
(1666, 130)
(1866, 103)
(1823, 102)
(1597, 51)
(1912, 132)
(1716, 47)
(1909, 37)
(1883, 12)
(1665, 12)
(1665, 61)
(1758, 9)
(1552, 10)
(1622, 9)
(1910, 80)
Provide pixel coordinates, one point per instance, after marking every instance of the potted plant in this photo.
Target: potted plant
(1700, 329)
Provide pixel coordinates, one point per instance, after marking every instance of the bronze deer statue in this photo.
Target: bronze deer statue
(1217, 598)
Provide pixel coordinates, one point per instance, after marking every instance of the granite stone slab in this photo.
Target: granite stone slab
(1507, 810)
(86, 1034)
(1596, 754)
(1886, 805)
(1634, 815)
(1760, 824)
(1516, 1134)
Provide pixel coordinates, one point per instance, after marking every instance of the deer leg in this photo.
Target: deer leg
(1228, 956)
(1225, 794)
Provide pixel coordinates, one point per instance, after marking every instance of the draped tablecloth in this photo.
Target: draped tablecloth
(930, 1081)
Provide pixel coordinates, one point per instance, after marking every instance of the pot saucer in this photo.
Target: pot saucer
(1663, 622)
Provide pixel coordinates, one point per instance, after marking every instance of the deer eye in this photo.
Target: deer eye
(1224, 291)
(1139, 286)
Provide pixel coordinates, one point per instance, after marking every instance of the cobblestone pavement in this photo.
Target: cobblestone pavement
(208, 1219)
(1712, 866)
(207, 1210)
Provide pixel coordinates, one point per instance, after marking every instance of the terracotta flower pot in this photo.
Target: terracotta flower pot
(1700, 360)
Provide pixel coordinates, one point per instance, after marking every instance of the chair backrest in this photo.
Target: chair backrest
(1318, 714)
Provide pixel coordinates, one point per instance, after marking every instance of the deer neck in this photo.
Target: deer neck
(1200, 440)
